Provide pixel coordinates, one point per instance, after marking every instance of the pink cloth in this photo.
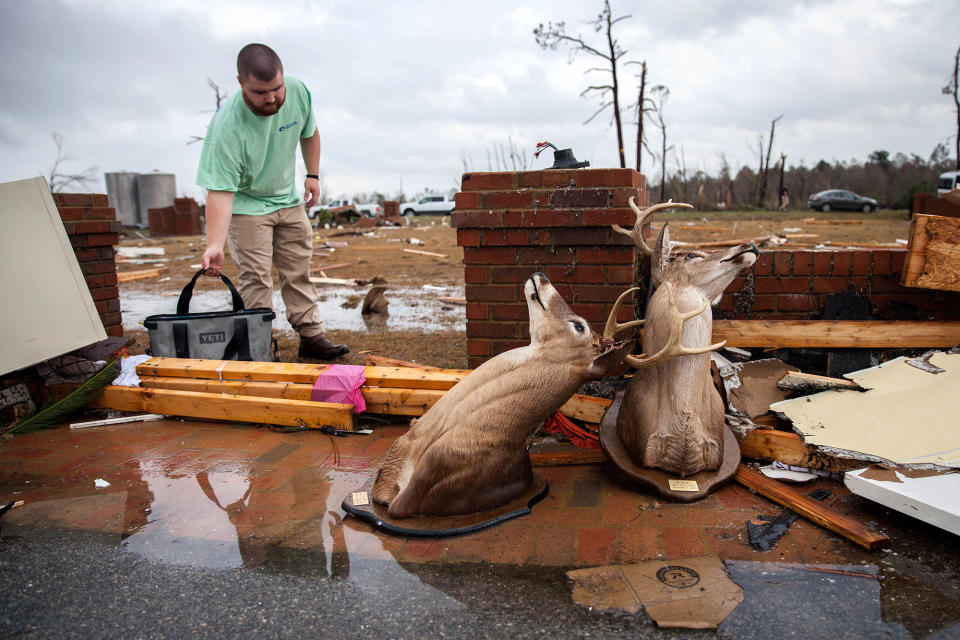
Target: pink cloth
(341, 383)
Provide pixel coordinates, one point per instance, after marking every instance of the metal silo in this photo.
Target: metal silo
(122, 194)
(155, 190)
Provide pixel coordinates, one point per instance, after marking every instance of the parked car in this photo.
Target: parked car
(948, 181)
(841, 199)
(368, 210)
(427, 206)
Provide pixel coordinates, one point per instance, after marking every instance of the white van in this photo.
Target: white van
(947, 182)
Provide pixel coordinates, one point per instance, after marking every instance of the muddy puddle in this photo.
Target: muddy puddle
(409, 308)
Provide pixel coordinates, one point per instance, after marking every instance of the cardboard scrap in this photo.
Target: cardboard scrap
(752, 386)
(907, 416)
(688, 593)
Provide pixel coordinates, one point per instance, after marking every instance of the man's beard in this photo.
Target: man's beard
(267, 109)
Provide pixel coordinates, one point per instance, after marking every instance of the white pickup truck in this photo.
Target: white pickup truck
(427, 206)
(369, 210)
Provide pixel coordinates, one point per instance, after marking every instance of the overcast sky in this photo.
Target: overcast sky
(406, 92)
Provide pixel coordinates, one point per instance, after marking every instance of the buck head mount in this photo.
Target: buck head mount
(671, 417)
(468, 452)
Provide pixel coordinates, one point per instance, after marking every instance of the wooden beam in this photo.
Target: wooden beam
(218, 406)
(140, 274)
(381, 361)
(425, 253)
(402, 377)
(559, 458)
(836, 334)
(933, 260)
(808, 382)
(833, 222)
(385, 400)
(811, 509)
(782, 446)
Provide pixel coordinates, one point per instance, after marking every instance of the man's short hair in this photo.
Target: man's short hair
(259, 61)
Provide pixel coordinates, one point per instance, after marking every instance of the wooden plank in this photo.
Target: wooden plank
(218, 406)
(772, 445)
(836, 334)
(457, 301)
(832, 222)
(809, 382)
(342, 282)
(933, 258)
(403, 377)
(811, 509)
(140, 274)
(381, 361)
(425, 253)
(931, 499)
(385, 400)
(586, 408)
(329, 267)
(559, 458)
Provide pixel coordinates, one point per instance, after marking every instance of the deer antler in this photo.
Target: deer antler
(673, 347)
(612, 328)
(637, 232)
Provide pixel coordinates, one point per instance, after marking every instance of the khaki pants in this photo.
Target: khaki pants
(283, 238)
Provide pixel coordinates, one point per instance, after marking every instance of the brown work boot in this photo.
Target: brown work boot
(320, 348)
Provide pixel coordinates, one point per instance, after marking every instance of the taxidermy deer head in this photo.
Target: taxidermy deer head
(468, 452)
(671, 417)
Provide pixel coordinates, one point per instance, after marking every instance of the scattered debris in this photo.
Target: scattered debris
(881, 423)
(375, 302)
(930, 496)
(687, 593)
(765, 531)
(457, 301)
(100, 483)
(425, 253)
(143, 417)
(139, 252)
(140, 274)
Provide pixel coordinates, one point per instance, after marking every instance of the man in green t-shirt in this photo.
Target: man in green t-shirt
(247, 164)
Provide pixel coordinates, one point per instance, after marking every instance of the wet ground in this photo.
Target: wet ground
(224, 530)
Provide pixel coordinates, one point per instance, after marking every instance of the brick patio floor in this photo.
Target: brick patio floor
(226, 490)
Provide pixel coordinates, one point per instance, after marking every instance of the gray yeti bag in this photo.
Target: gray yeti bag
(241, 334)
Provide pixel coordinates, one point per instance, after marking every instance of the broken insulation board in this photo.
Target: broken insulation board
(908, 415)
(933, 497)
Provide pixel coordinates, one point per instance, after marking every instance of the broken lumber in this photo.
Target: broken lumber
(811, 509)
(333, 281)
(425, 253)
(218, 406)
(329, 267)
(560, 458)
(382, 361)
(933, 258)
(833, 222)
(783, 446)
(403, 377)
(836, 334)
(458, 301)
(809, 383)
(140, 274)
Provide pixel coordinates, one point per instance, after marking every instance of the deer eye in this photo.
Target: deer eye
(690, 256)
(578, 326)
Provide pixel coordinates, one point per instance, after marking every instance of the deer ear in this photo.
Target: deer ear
(661, 255)
(610, 359)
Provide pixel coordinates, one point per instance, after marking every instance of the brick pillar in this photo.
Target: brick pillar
(93, 229)
(557, 221)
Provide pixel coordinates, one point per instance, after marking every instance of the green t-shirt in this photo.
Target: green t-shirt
(255, 156)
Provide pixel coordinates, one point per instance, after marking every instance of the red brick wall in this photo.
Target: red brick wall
(181, 219)
(93, 229)
(798, 284)
(934, 205)
(511, 224)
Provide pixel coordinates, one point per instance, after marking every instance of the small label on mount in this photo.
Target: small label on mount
(360, 498)
(683, 485)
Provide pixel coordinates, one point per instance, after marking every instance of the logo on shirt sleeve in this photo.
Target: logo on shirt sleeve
(288, 126)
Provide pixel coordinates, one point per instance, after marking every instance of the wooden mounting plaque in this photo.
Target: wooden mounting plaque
(441, 527)
(659, 481)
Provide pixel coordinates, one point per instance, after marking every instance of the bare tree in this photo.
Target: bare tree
(783, 164)
(765, 164)
(641, 112)
(58, 180)
(661, 93)
(219, 97)
(550, 35)
(952, 88)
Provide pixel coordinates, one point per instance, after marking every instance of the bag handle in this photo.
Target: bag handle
(183, 304)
